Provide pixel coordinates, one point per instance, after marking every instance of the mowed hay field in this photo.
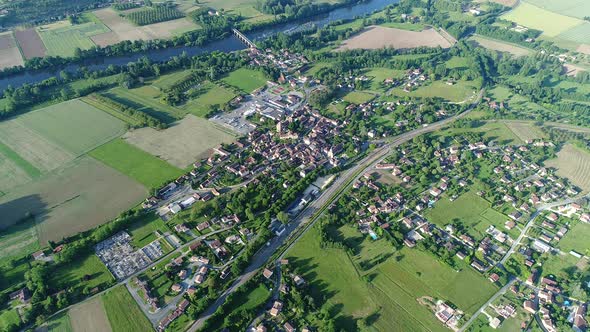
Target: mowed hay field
(573, 163)
(182, 143)
(19, 240)
(525, 130)
(575, 8)
(500, 46)
(10, 55)
(121, 29)
(246, 79)
(136, 163)
(375, 37)
(74, 125)
(30, 43)
(90, 316)
(131, 319)
(72, 199)
(530, 16)
(63, 41)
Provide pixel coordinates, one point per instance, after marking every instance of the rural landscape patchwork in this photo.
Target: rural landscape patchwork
(294, 165)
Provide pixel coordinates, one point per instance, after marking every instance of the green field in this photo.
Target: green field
(253, 299)
(378, 75)
(246, 79)
(143, 230)
(578, 34)
(457, 62)
(74, 125)
(19, 240)
(136, 163)
(492, 131)
(146, 99)
(575, 8)
(60, 323)
(166, 81)
(577, 239)
(398, 279)
(358, 97)
(533, 17)
(13, 274)
(31, 170)
(462, 90)
(404, 26)
(72, 274)
(63, 41)
(473, 211)
(130, 319)
(209, 94)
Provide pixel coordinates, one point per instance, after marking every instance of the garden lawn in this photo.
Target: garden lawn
(130, 319)
(246, 79)
(136, 163)
(577, 239)
(254, 298)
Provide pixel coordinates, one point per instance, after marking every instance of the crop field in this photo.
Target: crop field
(246, 79)
(460, 91)
(375, 37)
(30, 43)
(209, 94)
(578, 34)
(11, 174)
(10, 55)
(72, 199)
(131, 319)
(74, 125)
(533, 17)
(64, 40)
(123, 29)
(19, 240)
(573, 163)
(182, 143)
(358, 97)
(90, 316)
(33, 151)
(135, 163)
(525, 130)
(575, 8)
(146, 99)
(577, 239)
(501, 46)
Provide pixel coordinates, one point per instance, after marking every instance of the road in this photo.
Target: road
(326, 197)
(485, 305)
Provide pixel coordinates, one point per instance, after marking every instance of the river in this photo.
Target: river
(228, 44)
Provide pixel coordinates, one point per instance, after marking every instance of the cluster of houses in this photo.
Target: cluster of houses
(284, 59)
(147, 294)
(180, 309)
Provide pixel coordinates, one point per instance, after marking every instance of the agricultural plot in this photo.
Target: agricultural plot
(182, 143)
(136, 163)
(19, 240)
(500, 46)
(246, 79)
(378, 75)
(10, 55)
(577, 239)
(208, 95)
(533, 17)
(525, 130)
(30, 43)
(146, 99)
(244, 8)
(497, 132)
(90, 316)
(375, 37)
(122, 29)
(573, 163)
(59, 323)
(64, 40)
(165, 82)
(73, 125)
(131, 319)
(72, 199)
(575, 8)
(11, 175)
(577, 34)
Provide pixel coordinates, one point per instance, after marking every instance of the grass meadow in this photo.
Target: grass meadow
(577, 239)
(146, 99)
(73, 273)
(143, 230)
(208, 95)
(246, 79)
(358, 97)
(135, 163)
(573, 163)
(460, 91)
(530, 16)
(60, 323)
(131, 319)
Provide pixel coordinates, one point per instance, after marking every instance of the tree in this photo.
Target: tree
(283, 217)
